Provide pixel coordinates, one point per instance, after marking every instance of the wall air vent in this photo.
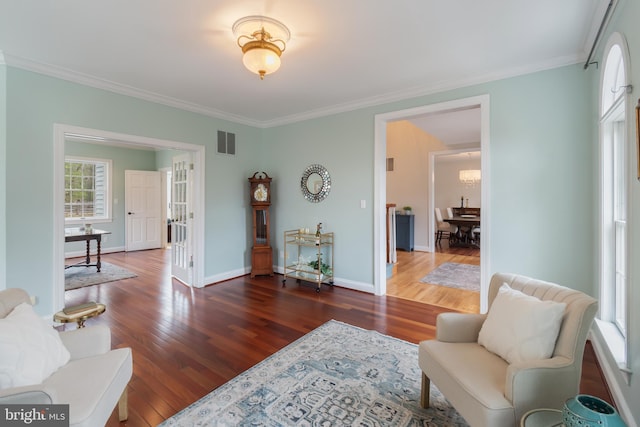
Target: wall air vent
(226, 142)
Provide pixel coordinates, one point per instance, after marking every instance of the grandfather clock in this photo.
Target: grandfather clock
(261, 253)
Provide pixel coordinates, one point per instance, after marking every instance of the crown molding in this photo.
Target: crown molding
(411, 93)
(96, 82)
(419, 91)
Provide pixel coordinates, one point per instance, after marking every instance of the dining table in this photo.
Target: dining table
(467, 234)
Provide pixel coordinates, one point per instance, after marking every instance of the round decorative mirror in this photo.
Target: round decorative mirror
(315, 183)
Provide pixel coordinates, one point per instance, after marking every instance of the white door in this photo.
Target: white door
(143, 208)
(182, 219)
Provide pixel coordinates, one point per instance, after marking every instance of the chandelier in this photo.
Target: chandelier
(470, 176)
(262, 41)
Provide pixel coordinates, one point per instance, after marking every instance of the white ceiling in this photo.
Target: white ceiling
(459, 127)
(343, 54)
(458, 157)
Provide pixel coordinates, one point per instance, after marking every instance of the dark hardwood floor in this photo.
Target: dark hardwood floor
(186, 342)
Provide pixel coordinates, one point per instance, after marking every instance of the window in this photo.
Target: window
(613, 197)
(87, 190)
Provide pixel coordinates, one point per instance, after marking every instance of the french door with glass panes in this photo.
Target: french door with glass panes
(182, 219)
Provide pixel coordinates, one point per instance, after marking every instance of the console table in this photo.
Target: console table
(78, 235)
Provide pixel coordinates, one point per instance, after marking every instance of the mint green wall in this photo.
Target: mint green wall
(541, 167)
(122, 159)
(541, 198)
(343, 145)
(3, 175)
(625, 21)
(164, 158)
(35, 102)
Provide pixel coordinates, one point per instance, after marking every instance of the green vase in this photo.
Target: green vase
(589, 411)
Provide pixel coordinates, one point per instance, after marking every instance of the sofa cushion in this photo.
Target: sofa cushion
(471, 378)
(92, 386)
(521, 327)
(30, 349)
(459, 363)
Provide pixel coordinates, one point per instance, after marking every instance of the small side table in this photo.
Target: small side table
(81, 316)
(542, 418)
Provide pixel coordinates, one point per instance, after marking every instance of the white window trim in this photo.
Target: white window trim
(108, 208)
(616, 343)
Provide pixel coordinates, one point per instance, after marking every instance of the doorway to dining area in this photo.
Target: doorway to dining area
(436, 164)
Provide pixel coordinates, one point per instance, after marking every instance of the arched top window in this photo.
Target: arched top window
(614, 77)
(614, 179)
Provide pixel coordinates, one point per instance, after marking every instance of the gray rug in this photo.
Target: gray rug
(78, 277)
(454, 275)
(337, 374)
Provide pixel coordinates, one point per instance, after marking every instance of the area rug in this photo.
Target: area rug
(78, 277)
(335, 375)
(455, 275)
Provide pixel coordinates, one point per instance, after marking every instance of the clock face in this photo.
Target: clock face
(260, 193)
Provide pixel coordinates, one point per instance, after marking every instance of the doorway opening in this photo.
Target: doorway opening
(380, 184)
(61, 132)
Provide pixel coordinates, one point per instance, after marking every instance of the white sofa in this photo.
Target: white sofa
(487, 390)
(93, 381)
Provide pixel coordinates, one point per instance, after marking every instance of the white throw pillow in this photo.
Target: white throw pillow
(30, 349)
(521, 327)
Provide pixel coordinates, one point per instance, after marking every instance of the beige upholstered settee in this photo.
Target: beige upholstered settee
(487, 390)
(93, 380)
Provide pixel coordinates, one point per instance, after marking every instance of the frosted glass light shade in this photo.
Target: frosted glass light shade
(261, 61)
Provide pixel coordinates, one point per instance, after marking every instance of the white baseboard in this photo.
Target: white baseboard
(356, 286)
(609, 370)
(343, 283)
(221, 277)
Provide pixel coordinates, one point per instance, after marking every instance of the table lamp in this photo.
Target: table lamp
(589, 411)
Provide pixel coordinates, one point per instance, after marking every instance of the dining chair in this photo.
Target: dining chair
(441, 227)
(453, 229)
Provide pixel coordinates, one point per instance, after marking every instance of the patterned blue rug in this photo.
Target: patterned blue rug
(78, 277)
(335, 375)
(455, 275)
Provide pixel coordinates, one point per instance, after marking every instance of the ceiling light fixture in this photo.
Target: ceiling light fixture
(262, 41)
